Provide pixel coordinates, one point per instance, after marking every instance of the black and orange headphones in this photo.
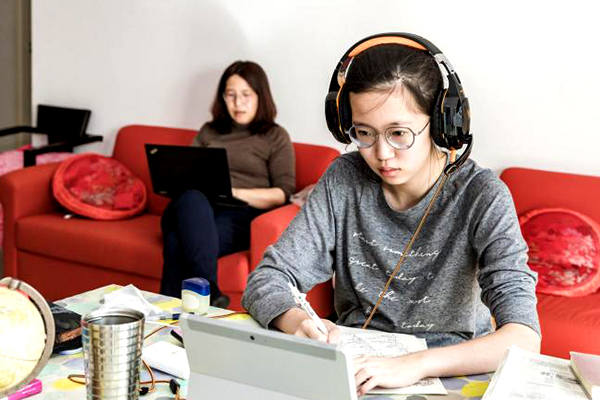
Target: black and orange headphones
(450, 122)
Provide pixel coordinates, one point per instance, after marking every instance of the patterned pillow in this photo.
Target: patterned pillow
(564, 248)
(98, 187)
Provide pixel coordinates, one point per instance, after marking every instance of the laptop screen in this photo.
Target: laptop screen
(175, 169)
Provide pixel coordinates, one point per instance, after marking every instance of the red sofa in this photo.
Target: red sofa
(568, 323)
(62, 257)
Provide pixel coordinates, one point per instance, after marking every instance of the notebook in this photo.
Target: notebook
(232, 360)
(175, 169)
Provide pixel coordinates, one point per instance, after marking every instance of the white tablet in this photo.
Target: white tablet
(231, 360)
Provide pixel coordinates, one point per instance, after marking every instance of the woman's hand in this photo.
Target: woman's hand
(237, 193)
(387, 372)
(263, 198)
(308, 329)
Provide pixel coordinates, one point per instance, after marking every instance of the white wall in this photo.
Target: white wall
(530, 69)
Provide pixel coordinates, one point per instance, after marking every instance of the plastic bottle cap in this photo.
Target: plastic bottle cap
(197, 285)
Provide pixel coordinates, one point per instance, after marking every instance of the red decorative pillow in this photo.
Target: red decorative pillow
(564, 248)
(98, 187)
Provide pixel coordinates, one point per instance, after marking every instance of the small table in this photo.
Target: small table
(57, 386)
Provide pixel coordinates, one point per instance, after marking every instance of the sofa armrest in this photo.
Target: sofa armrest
(28, 191)
(266, 229)
(24, 192)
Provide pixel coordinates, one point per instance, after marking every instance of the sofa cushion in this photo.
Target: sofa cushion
(58, 278)
(131, 245)
(98, 187)
(569, 324)
(564, 248)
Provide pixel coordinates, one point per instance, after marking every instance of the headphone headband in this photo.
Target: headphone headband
(366, 44)
(377, 40)
(450, 127)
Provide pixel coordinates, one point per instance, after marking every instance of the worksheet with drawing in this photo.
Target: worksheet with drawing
(361, 342)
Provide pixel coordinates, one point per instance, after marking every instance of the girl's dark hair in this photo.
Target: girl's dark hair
(382, 66)
(252, 73)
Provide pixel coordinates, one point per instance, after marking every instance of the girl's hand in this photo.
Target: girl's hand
(308, 329)
(387, 372)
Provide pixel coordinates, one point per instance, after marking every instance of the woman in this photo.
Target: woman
(261, 163)
(468, 262)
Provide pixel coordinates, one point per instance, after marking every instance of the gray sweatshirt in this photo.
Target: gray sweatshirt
(469, 259)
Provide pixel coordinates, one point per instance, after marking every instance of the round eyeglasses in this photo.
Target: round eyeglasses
(398, 137)
(244, 98)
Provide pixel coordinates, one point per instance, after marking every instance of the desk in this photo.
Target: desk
(56, 386)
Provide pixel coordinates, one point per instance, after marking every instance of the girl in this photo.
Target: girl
(465, 260)
(262, 168)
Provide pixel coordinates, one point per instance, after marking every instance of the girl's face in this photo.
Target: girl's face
(375, 112)
(241, 100)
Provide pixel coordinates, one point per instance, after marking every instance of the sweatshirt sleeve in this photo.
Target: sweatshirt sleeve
(303, 255)
(282, 163)
(507, 283)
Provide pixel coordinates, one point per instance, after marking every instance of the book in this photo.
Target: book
(587, 369)
(527, 375)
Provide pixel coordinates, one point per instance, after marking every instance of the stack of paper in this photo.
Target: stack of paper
(587, 370)
(527, 375)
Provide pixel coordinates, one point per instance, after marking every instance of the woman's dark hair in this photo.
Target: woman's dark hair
(383, 66)
(252, 73)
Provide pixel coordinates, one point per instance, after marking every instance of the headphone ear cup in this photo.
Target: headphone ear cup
(345, 113)
(333, 115)
(465, 112)
(436, 126)
(332, 118)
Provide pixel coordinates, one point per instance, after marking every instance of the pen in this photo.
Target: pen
(163, 316)
(301, 300)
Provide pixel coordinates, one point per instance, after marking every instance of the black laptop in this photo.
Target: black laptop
(175, 169)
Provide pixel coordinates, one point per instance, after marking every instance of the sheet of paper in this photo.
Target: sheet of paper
(526, 375)
(360, 342)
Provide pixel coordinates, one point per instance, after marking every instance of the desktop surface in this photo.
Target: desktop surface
(57, 386)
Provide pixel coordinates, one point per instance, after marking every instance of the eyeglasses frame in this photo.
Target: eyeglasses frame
(387, 139)
(243, 99)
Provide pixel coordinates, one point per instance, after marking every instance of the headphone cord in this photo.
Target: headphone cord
(408, 246)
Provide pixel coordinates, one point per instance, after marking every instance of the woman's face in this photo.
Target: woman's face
(241, 100)
(376, 112)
